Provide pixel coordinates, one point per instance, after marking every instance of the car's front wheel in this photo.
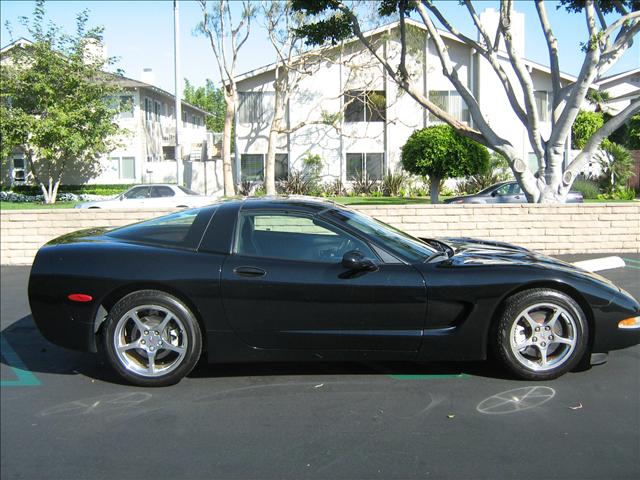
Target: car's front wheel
(152, 339)
(541, 334)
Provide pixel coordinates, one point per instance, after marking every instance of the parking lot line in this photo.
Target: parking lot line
(636, 263)
(24, 377)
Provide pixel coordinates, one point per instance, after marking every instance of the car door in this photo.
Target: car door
(136, 197)
(284, 287)
(514, 195)
(162, 196)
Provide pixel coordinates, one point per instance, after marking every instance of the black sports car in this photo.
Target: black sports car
(292, 279)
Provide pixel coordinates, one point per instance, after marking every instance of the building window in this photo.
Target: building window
(148, 109)
(18, 174)
(157, 110)
(126, 106)
(184, 118)
(542, 104)
(282, 166)
(365, 106)
(364, 165)
(451, 102)
(251, 167)
(169, 153)
(122, 167)
(254, 106)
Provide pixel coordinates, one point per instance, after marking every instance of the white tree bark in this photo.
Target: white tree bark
(226, 40)
(551, 183)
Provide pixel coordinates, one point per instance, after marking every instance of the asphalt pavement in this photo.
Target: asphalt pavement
(65, 415)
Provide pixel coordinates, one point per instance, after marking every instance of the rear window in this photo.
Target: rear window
(183, 229)
(188, 191)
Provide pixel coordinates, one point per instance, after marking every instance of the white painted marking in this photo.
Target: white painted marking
(598, 264)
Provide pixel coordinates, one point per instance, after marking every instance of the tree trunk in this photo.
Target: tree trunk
(227, 171)
(434, 188)
(50, 191)
(270, 163)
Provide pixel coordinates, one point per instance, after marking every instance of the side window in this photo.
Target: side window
(162, 191)
(137, 193)
(503, 190)
(515, 189)
(294, 236)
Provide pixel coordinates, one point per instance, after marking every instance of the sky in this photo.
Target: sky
(140, 35)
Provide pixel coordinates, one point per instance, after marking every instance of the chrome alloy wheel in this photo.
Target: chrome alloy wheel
(150, 341)
(543, 336)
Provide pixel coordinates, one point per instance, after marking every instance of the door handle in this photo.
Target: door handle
(249, 271)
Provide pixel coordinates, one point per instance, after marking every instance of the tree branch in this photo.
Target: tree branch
(552, 47)
(533, 123)
(596, 139)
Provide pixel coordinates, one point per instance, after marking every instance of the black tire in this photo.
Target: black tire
(178, 360)
(520, 346)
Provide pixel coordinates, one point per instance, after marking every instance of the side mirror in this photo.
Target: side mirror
(494, 193)
(356, 261)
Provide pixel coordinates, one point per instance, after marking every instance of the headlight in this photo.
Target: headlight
(629, 323)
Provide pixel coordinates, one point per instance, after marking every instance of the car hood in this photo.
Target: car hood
(469, 251)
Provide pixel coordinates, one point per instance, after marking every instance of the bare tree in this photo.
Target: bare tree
(293, 65)
(605, 44)
(226, 39)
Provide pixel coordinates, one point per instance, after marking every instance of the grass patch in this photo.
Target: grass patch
(35, 205)
(379, 200)
(598, 200)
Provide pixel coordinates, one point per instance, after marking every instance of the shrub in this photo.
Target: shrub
(392, 183)
(617, 165)
(335, 189)
(298, 183)
(103, 190)
(498, 171)
(364, 186)
(588, 188)
(245, 187)
(619, 193)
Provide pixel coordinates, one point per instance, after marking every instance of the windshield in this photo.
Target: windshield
(397, 241)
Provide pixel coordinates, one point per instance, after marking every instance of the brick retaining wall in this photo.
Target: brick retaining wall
(552, 229)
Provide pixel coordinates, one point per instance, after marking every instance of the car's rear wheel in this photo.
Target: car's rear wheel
(152, 339)
(541, 334)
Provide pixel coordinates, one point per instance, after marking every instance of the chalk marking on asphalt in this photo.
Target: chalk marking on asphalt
(25, 378)
(515, 400)
(637, 262)
(598, 264)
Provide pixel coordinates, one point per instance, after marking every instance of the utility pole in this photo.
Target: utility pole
(178, 88)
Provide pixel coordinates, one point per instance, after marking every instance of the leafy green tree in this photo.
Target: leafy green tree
(57, 102)
(440, 152)
(586, 124)
(633, 138)
(210, 99)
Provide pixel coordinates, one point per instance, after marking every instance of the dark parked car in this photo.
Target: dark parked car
(303, 280)
(505, 192)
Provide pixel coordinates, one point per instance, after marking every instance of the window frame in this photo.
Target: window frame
(364, 163)
(542, 97)
(448, 93)
(358, 107)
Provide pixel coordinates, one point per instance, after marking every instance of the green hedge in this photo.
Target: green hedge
(77, 189)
